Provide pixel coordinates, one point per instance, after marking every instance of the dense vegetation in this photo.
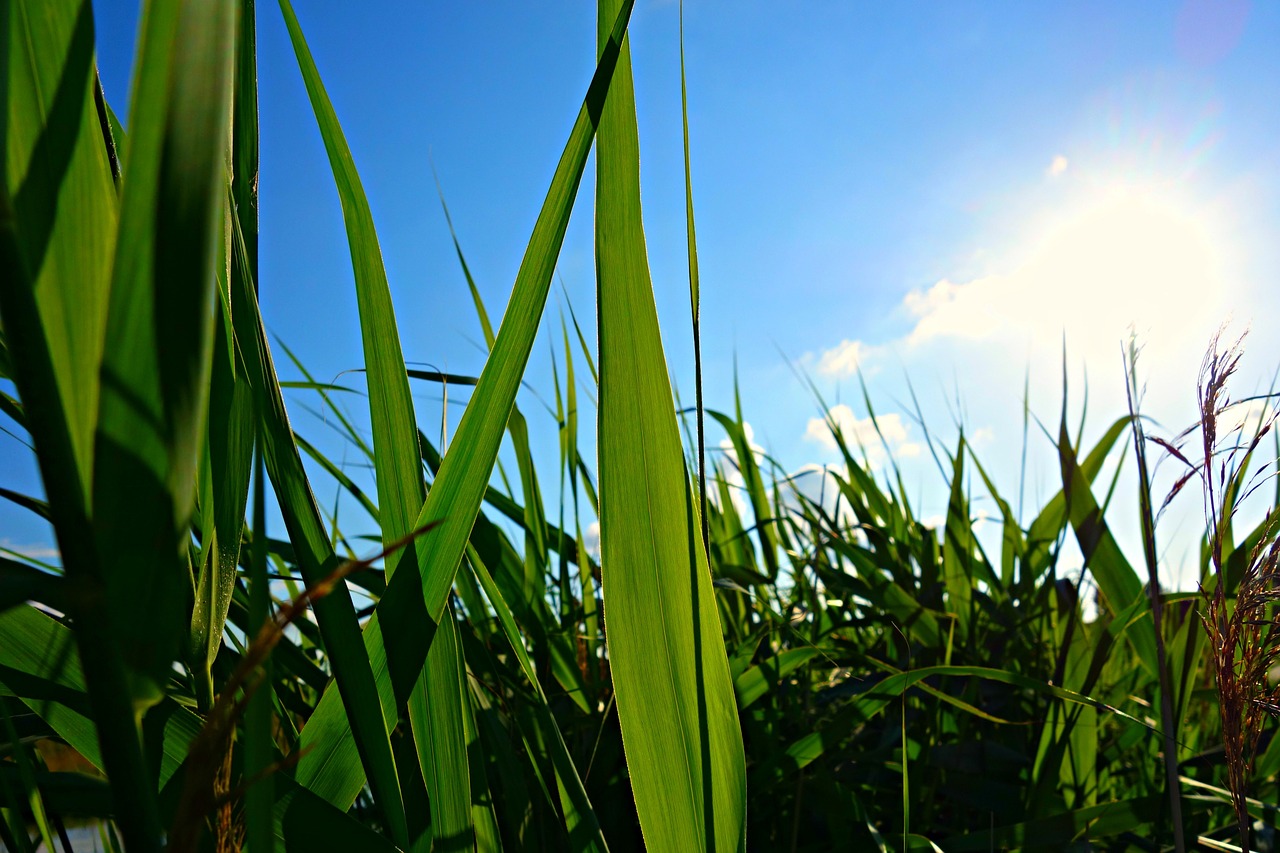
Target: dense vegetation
(744, 667)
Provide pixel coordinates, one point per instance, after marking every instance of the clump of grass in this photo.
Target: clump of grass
(1243, 629)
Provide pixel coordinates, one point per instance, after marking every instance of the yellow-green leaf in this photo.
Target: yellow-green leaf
(670, 673)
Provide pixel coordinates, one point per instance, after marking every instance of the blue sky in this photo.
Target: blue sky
(936, 190)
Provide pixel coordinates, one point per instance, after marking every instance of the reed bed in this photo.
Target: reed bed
(742, 667)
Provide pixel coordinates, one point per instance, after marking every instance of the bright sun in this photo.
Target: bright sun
(1129, 259)
(1126, 259)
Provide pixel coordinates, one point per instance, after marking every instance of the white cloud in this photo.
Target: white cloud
(591, 537)
(947, 309)
(732, 474)
(1057, 166)
(818, 484)
(732, 454)
(844, 359)
(32, 551)
(862, 432)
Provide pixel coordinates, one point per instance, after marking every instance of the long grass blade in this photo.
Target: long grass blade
(365, 717)
(57, 230)
(159, 331)
(670, 672)
(695, 297)
(412, 606)
(59, 211)
(436, 705)
(1116, 578)
(1147, 519)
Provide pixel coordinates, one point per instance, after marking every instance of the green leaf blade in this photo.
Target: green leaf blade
(671, 675)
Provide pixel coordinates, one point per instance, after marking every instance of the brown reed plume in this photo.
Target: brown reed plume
(1243, 629)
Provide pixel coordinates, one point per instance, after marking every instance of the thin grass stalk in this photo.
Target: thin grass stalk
(695, 301)
(1149, 552)
(258, 716)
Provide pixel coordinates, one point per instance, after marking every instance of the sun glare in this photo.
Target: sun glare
(1129, 259)
(1124, 259)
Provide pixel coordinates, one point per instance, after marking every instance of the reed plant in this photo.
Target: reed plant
(1241, 629)
(745, 664)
